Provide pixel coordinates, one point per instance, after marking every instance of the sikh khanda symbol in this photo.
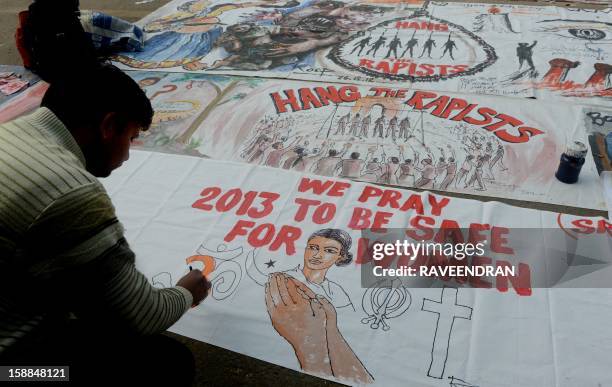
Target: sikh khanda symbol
(384, 303)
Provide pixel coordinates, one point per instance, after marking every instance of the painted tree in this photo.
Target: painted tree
(223, 86)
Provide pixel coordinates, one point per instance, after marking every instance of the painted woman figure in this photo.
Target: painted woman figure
(325, 248)
(308, 322)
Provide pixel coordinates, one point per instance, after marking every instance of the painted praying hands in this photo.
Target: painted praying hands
(308, 322)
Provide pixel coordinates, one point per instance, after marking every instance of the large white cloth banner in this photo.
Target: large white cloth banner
(477, 144)
(504, 49)
(240, 223)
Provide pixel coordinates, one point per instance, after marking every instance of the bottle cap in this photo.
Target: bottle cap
(577, 150)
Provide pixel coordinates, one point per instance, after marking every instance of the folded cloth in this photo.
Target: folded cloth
(112, 33)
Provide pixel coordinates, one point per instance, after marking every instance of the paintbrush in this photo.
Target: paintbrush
(600, 153)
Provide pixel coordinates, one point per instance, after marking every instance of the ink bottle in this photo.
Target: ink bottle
(571, 163)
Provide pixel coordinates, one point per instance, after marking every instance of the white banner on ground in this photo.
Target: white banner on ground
(482, 145)
(240, 223)
(505, 49)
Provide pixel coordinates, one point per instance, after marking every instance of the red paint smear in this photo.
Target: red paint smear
(545, 161)
(517, 165)
(573, 89)
(535, 166)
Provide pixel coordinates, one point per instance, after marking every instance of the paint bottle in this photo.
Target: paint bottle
(572, 161)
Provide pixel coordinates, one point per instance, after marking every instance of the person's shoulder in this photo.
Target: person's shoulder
(337, 290)
(338, 294)
(38, 165)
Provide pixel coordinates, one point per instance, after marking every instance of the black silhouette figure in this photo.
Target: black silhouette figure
(361, 45)
(525, 53)
(393, 45)
(410, 45)
(377, 44)
(429, 44)
(448, 47)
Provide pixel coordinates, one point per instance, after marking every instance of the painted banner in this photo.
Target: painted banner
(482, 145)
(23, 103)
(20, 92)
(13, 80)
(511, 50)
(285, 254)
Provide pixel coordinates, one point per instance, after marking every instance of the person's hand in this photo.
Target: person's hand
(331, 326)
(291, 311)
(320, 301)
(297, 316)
(197, 284)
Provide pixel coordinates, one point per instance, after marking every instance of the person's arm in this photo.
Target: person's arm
(430, 154)
(289, 147)
(315, 166)
(321, 152)
(300, 321)
(91, 264)
(344, 363)
(364, 167)
(266, 155)
(291, 150)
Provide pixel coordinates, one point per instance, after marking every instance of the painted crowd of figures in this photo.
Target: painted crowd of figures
(426, 169)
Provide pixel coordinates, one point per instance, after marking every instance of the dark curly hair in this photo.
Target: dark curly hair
(341, 237)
